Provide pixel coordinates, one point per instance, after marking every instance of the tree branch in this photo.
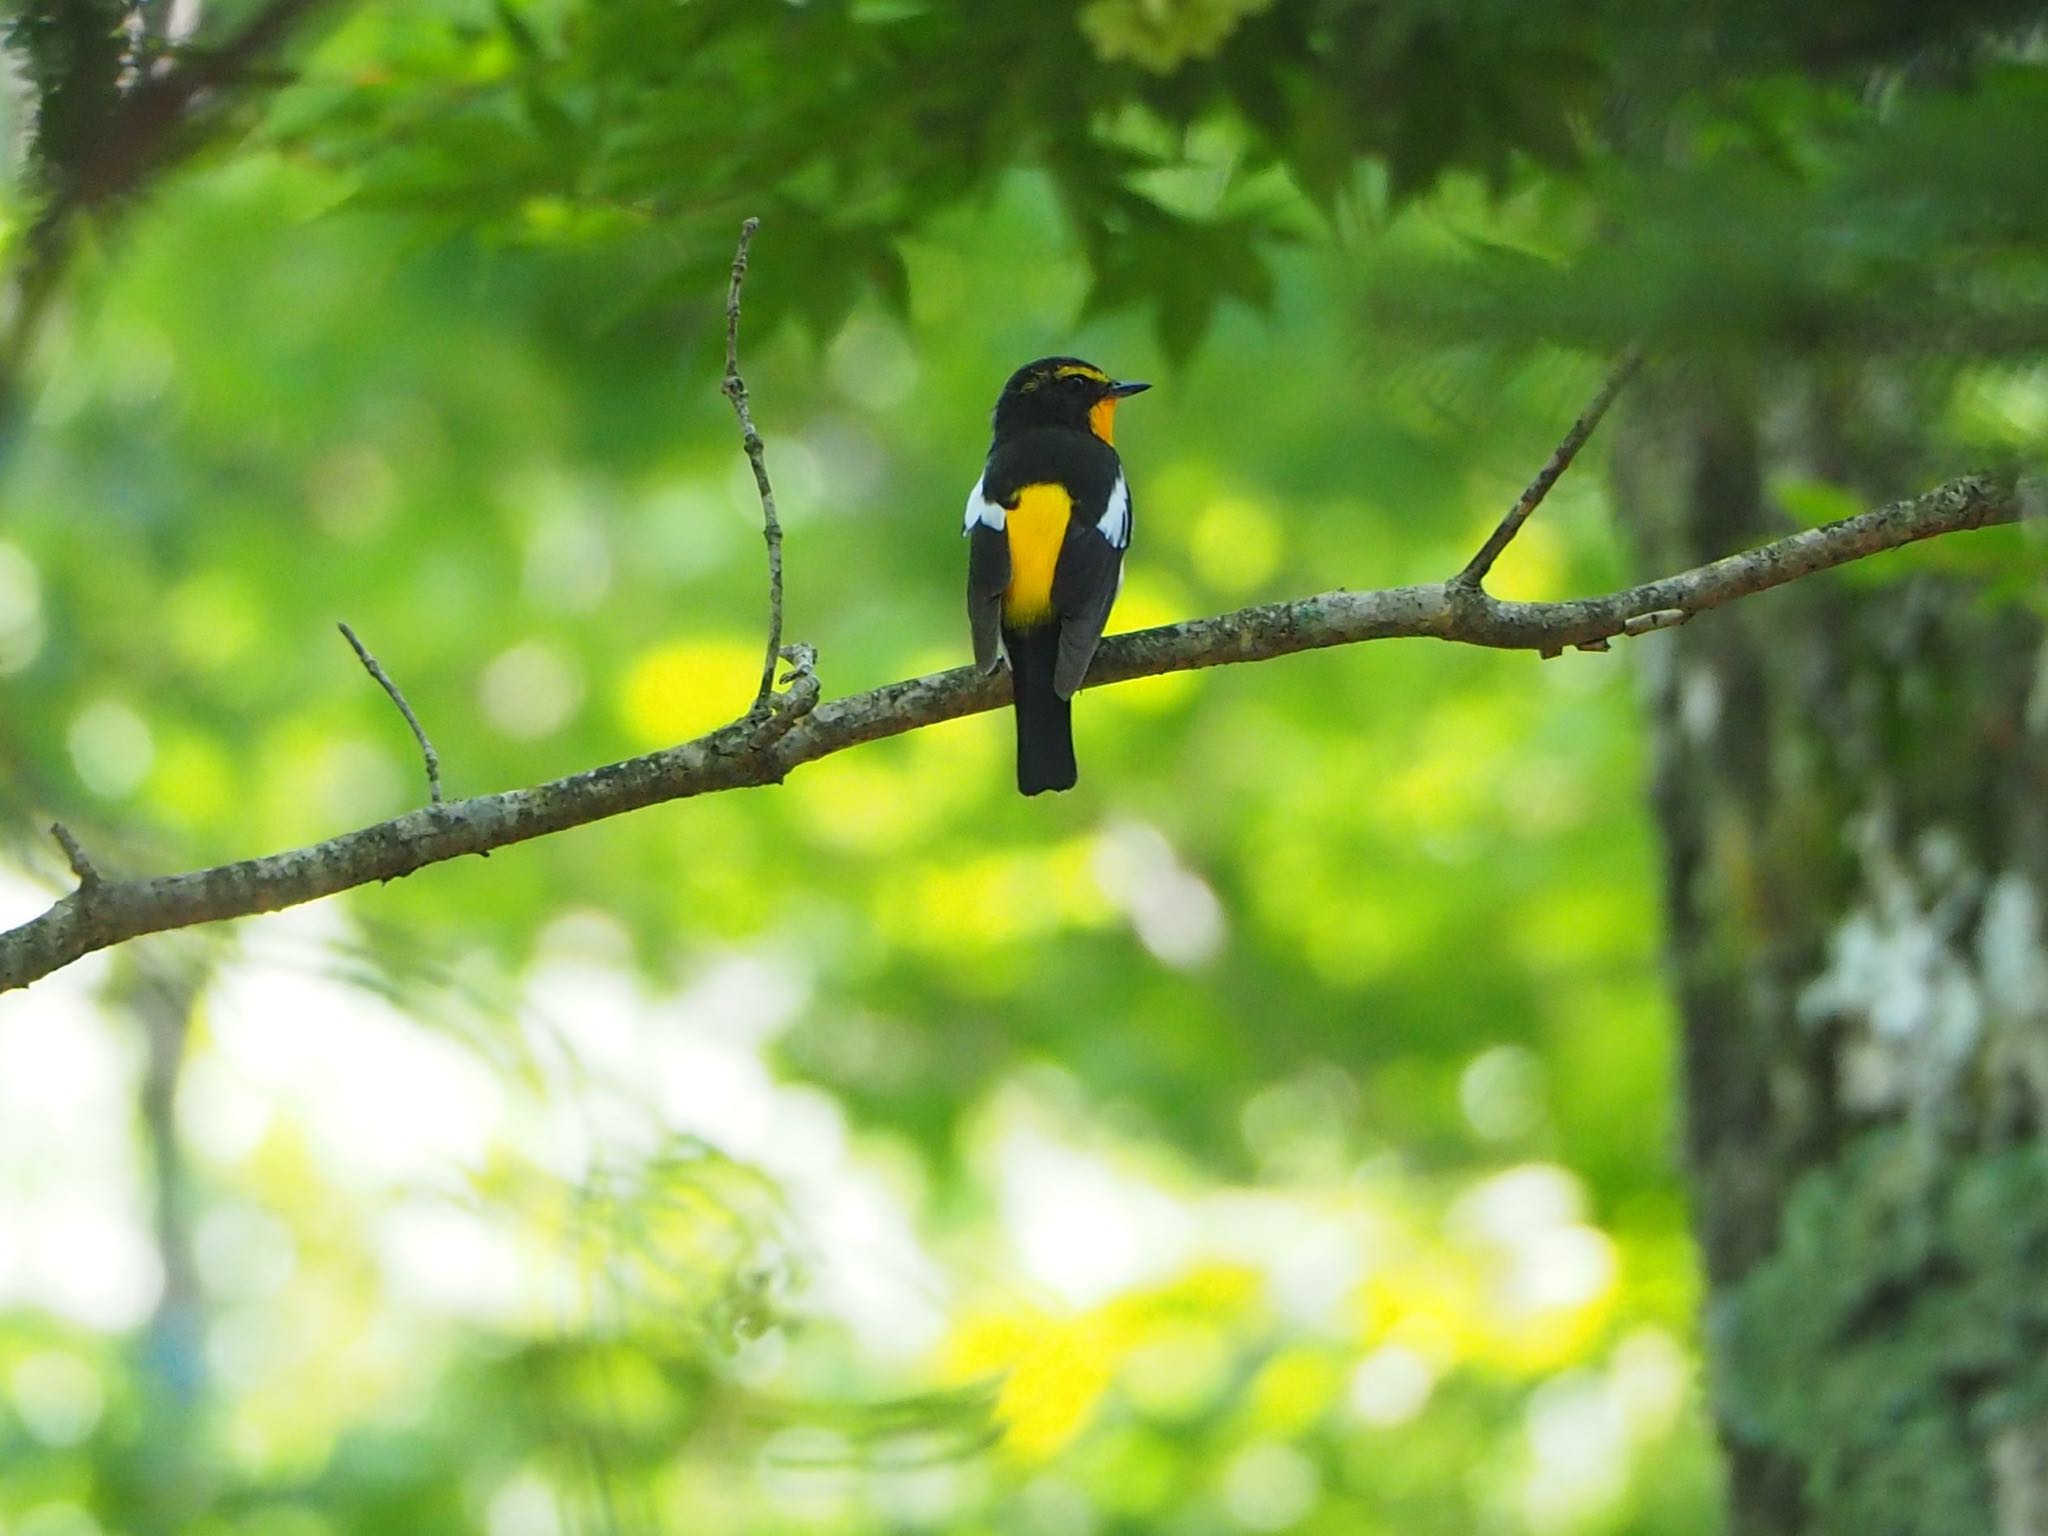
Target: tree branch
(764, 748)
(419, 733)
(1474, 574)
(771, 528)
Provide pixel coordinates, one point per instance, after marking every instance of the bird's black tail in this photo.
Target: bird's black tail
(1045, 721)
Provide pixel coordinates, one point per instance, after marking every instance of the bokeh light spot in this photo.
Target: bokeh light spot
(1235, 544)
(57, 1395)
(529, 691)
(111, 748)
(872, 364)
(1269, 1486)
(1501, 1092)
(21, 609)
(1391, 1386)
(681, 690)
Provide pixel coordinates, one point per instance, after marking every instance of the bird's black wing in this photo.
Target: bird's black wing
(1084, 587)
(988, 573)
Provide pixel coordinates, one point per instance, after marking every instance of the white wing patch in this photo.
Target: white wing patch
(1115, 521)
(981, 510)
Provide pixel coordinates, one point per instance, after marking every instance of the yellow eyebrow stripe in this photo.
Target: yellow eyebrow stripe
(1082, 371)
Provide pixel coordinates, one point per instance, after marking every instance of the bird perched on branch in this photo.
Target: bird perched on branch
(1048, 522)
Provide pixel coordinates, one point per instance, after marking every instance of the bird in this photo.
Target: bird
(1048, 523)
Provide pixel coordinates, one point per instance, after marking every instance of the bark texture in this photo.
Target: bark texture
(1851, 779)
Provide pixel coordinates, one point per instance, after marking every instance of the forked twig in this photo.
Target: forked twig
(75, 855)
(1475, 569)
(771, 527)
(419, 734)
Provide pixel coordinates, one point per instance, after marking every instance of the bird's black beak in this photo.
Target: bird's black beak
(1121, 388)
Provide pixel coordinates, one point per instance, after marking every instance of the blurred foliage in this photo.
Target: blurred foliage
(1184, 138)
(1908, 1279)
(1270, 1135)
(73, 58)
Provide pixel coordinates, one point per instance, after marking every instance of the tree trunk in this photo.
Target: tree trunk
(166, 1466)
(1851, 780)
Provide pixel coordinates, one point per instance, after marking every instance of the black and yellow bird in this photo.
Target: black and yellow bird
(1048, 524)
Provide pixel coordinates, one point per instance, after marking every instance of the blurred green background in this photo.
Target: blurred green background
(1272, 1135)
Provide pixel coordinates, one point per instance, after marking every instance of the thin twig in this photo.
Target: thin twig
(1475, 570)
(771, 527)
(799, 730)
(76, 856)
(419, 733)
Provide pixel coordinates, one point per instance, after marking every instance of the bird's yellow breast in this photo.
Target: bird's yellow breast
(1037, 527)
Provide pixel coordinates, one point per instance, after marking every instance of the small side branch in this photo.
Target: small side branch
(771, 527)
(1475, 569)
(75, 855)
(419, 734)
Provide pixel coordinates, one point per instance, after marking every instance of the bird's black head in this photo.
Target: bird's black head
(1061, 392)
